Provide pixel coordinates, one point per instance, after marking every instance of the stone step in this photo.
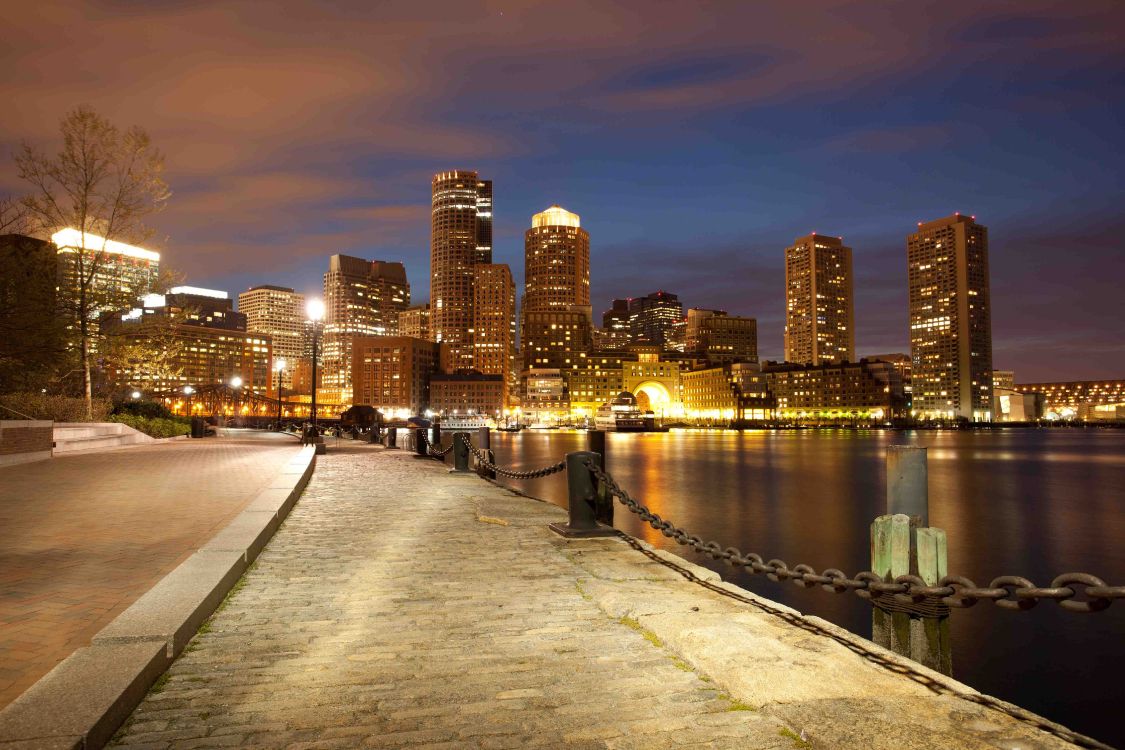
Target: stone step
(71, 437)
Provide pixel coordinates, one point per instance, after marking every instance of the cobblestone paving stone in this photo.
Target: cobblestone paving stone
(387, 613)
(82, 536)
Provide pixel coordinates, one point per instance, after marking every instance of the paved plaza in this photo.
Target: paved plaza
(82, 536)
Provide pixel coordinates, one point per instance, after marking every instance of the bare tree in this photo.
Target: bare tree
(13, 216)
(103, 183)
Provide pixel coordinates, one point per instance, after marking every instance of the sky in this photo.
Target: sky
(695, 139)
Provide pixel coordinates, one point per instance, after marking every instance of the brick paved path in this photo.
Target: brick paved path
(395, 608)
(82, 536)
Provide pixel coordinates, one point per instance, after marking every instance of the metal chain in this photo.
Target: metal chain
(483, 460)
(904, 593)
(430, 447)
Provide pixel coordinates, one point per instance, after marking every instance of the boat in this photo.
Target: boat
(622, 415)
(463, 423)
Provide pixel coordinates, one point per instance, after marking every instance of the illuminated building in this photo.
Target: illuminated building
(617, 326)
(905, 367)
(461, 238)
(721, 337)
(1003, 379)
(596, 379)
(710, 394)
(494, 322)
(555, 338)
(120, 274)
(556, 261)
(609, 340)
(1091, 400)
(415, 322)
(1013, 406)
(392, 373)
(277, 312)
(652, 317)
(950, 319)
(211, 344)
(546, 399)
(467, 393)
(836, 391)
(819, 304)
(655, 381)
(361, 298)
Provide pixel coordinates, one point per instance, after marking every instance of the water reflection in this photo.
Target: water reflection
(1035, 503)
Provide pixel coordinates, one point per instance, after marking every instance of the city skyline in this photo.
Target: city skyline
(704, 137)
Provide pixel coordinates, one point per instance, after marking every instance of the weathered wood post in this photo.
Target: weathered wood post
(603, 505)
(903, 544)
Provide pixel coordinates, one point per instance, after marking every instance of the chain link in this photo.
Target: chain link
(430, 447)
(906, 593)
(511, 473)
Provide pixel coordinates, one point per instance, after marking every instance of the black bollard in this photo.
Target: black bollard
(603, 506)
(484, 436)
(420, 443)
(435, 440)
(581, 495)
(392, 436)
(460, 453)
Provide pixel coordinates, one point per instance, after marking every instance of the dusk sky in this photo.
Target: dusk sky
(696, 140)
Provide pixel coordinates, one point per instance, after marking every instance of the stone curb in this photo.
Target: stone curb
(80, 703)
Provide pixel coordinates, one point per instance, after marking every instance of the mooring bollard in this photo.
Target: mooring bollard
(581, 496)
(902, 544)
(420, 443)
(484, 437)
(460, 453)
(435, 440)
(603, 505)
(392, 437)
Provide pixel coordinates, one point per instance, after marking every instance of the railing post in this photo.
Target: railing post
(420, 443)
(392, 437)
(484, 436)
(581, 495)
(460, 453)
(603, 505)
(902, 544)
(435, 440)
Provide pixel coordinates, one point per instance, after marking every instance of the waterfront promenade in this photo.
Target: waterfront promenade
(401, 606)
(83, 535)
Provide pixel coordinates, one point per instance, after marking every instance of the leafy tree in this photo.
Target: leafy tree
(103, 183)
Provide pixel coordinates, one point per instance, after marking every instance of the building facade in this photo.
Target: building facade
(556, 261)
(392, 373)
(277, 312)
(361, 298)
(721, 337)
(1092, 400)
(832, 392)
(950, 319)
(618, 331)
(118, 275)
(819, 301)
(652, 317)
(546, 398)
(471, 393)
(556, 338)
(460, 239)
(494, 322)
(415, 322)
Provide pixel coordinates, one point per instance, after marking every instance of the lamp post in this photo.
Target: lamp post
(236, 402)
(315, 310)
(279, 366)
(188, 391)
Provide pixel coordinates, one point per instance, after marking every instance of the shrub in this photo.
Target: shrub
(49, 406)
(157, 427)
(150, 409)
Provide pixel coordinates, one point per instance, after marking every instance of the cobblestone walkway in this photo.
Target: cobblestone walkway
(82, 536)
(402, 606)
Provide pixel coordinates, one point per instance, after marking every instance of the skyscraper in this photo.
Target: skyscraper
(556, 320)
(115, 275)
(950, 319)
(494, 321)
(278, 312)
(652, 317)
(460, 239)
(819, 302)
(361, 298)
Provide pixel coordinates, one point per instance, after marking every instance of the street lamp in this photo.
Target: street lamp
(136, 395)
(315, 310)
(279, 366)
(236, 382)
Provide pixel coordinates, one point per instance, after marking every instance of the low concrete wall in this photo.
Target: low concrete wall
(23, 440)
(80, 703)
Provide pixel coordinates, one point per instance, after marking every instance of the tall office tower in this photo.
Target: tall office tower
(494, 320)
(278, 312)
(461, 238)
(652, 317)
(361, 298)
(819, 303)
(556, 302)
(950, 319)
(415, 322)
(119, 274)
(721, 337)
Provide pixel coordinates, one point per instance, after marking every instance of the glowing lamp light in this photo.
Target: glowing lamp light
(315, 309)
(136, 395)
(188, 390)
(236, 382)
(279, 365)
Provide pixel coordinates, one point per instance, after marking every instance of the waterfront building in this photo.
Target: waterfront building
(555, 338)
(710, 395)
(1088, 400)
(119, 274)
(546, 399)
(415, 322)
(556, 261)
(819, 301)
(361, 298)
(1014, 406)
(392, 373)
(494, 322)
(472, 393)
(277, 312)
(721, 337)
(609, 340)
(652, 317)
(654, 380)
(596, 379)
(1003, 379)
(460, 239)
(836, 391)
(905, 367)
(950, 319)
